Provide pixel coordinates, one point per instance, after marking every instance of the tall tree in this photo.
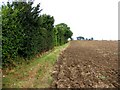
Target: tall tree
(62, 32)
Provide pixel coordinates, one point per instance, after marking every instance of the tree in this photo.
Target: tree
(47, 21)
(91, 38)
(80, 38)
(19, 29)
(62, 33)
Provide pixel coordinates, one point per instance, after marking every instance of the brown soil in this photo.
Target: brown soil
(87, 64)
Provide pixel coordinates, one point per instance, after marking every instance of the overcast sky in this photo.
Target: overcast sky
(88, 18)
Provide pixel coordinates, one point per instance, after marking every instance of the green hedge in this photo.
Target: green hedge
(26, 33)
(61, 34)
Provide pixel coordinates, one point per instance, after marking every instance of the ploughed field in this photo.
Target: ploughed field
(87, 64)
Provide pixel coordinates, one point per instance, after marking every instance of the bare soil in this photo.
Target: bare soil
(87, 64)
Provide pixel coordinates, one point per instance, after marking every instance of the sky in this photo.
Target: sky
(87, 18)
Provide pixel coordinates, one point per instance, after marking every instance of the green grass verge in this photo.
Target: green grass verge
(36, 74)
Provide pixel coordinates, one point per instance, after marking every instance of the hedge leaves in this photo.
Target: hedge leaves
(26, 33)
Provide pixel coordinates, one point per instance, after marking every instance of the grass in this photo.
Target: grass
(36, 74)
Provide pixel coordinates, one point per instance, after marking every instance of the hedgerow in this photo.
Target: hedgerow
(25, 32)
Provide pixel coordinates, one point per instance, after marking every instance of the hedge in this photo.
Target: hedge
(26, 33)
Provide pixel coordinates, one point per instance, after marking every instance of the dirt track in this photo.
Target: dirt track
(87, 64)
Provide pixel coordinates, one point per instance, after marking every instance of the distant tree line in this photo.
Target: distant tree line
(26, 33)
(82, 38)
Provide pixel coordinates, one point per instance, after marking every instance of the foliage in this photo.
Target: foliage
(61, 32)
(80, 38)
(26, 33)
